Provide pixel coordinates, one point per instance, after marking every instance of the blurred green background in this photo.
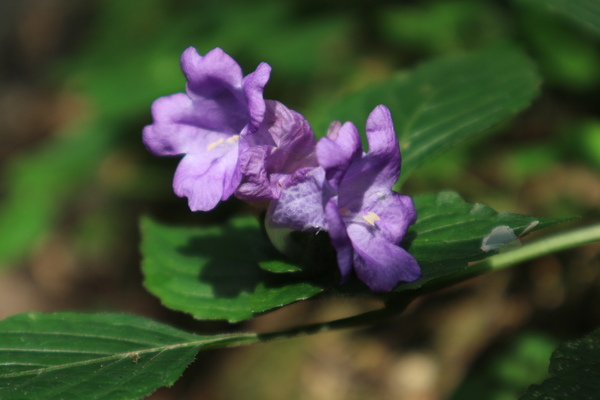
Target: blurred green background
(76, 83)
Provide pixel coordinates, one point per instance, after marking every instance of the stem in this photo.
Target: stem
(530, 251)
(349, 322)
(542, 247)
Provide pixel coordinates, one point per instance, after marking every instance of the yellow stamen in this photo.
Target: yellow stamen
(233, 139)
(371, 217)
(214, 144)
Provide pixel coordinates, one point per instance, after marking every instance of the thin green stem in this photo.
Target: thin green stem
(349, 322)
(543, 247)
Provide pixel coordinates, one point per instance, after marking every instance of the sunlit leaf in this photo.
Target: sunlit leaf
(445, 101)
(215, 273)
(94, 356)
(450, 233)
(574, 370)
(232, 272)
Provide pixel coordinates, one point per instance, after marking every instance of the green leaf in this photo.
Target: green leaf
(451, 233)
(585, 13)
(215, 272)
(575, 372)
(94, 356)
(445, 101)
(507, 374)
(565, 56)
(279, 266)
(441, 27)
(232, 272)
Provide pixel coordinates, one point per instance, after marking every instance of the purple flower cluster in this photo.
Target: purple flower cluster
(234, 142)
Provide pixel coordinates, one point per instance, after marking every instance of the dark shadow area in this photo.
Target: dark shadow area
(233, 267)
(408, 239)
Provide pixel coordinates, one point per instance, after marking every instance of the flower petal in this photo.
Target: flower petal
(177, 108)
(300, 207)
(383, 142)
(284, 181)
(214, 83)
(396, 213)
(338, 150)
(384, 150)
(379, 263)
(379, 169)
(207, 75)
(206, 186)
(277, 155)
(168, 135)
(220, 107)
(177, 139)
(339, 238)
(293, 139)
(254, 85)
(255, 184)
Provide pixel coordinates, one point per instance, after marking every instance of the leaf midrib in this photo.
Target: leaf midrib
(119, 356)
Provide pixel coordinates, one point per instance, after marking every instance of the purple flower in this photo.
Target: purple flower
(300, 206)
(206, 124)
(350, 195)
(278, 155)
(366, 219)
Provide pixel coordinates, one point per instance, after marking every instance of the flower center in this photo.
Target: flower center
(371, 217)
(232, 139)
(214, 144)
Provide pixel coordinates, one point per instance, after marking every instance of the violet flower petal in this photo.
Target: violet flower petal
(220, 108)
(339, 239)
(207, 75)
(378, 170)
(178, 139)
(254, 85)
(300, 207)
(205, 189)
(383, 146)
(366, 219)
(168, 135)
(255, 185)
(274, 156)
(379, 263)
(396, 213)
(214, 83)
(338, 150)
(293, 139)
